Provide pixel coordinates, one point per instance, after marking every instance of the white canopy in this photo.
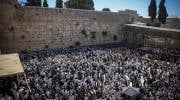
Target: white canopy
(130, 91)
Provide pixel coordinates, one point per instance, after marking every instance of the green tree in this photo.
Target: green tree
(45, 4)
(152, 10)
(59, 4)
(162, 14)
(33, 3)
(80, 4)
(106, 9)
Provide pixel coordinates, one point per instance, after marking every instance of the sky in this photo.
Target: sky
(141, 6)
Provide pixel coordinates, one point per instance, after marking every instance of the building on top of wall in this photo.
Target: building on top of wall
(134, 15)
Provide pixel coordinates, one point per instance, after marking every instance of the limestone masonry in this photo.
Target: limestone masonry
(36, 28)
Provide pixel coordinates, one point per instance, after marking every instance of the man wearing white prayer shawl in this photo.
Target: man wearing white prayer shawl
(104, 78)
(130, 84)
(86, 97)
(127, 79)
(142, 81)
(72, 97)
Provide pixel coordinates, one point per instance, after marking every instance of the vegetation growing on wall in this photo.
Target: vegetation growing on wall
(115, 37)
(77, 43)
(84, 33)
(93, 35)
(80, 4)
(104, 33)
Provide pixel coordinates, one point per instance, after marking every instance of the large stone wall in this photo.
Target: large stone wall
(33, 28)
(152, 36)
(173, 23)
(36, 28)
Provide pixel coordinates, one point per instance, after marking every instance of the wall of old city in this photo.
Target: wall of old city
(173, 23)
(37, 28)
(152, 36)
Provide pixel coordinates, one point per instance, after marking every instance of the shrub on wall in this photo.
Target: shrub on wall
(77, 43)
(93, 35)
(11, 28)
(71, 46)
(157, 25)
(46, 46)
(153, 24)
(115, 37)
(84, 32)
(104, 33)
(23, 37)
(148, 24)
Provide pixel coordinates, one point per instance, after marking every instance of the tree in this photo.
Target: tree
(152, 10)
(59, 4)
(80, 4)
(162, 14)
(106, 9)
(33, 3)
(45, 4)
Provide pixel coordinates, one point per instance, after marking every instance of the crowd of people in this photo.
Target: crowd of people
(94, 73)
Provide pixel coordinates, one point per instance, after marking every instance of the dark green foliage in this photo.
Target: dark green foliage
(115, 37)
(33, 3)
(80, 4)
(152, 10)
(23, 37)
(77, 43)
(16, 6)
(93, 35)
(157, 25)
(153, 24)
(71, 46)
(104, 33)
(45, 4)
(162, 14)
(11, 28)
(59, 4)
(46, 46)
(148, 24)
(84, 33)
(77, 24)
(106, 9)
